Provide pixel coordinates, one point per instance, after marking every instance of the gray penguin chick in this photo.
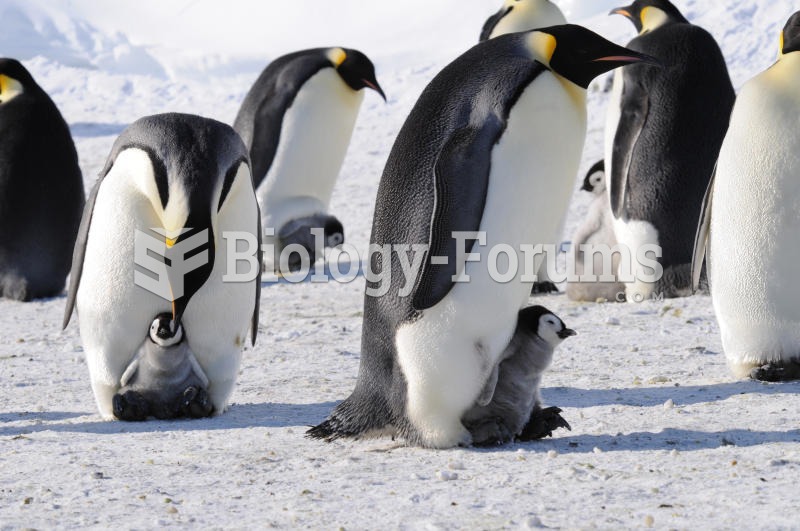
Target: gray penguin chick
(510, 406)
(164, 380)
(597, 229)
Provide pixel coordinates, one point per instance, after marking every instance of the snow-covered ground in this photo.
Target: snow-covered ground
(662, 435)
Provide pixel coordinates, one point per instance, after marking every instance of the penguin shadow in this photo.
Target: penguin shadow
(317, 273)
(238, 416)
(95, 129)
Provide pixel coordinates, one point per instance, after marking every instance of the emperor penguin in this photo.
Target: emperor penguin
(663, 133)
(171, 226)
(522, 15)
(457, 175)
(41, 189)
(296, 121)
(164, 379)
(596, 231)
(510, 405)
(749, 237)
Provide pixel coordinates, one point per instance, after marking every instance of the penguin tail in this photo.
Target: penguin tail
(352, 418)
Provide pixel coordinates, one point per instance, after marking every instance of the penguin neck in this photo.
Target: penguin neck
(576, 92)
(786, 71)
(653, 18)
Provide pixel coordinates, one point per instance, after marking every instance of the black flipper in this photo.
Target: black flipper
(79, 253)
(701, 237)
(260, 258)
(461, 176)
(631, 122)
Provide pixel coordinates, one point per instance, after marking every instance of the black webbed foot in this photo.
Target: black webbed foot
(490, 432)
(195, 403)
(130, 406)
(542, 424)
(543, 288)
(781, 371)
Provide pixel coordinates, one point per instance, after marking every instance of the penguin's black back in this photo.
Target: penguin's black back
(457, 120)
(41, 192)
(260, 117)
(684, 109)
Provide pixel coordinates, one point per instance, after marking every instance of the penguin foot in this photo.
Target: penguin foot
(130, 406)
(490, 432)
(542, 424)
(782, 371)
(543, 288)
(195, 403)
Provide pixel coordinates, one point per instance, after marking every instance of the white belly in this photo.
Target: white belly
(115, 314)
(447, 354)
(313, 142)
(754, 245)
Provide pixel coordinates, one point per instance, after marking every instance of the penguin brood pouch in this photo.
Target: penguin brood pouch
(154, 240)
(457, 167)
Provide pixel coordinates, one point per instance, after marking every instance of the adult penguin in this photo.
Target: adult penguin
(41, 189)
(749, 237)
(663, 133)
(178, 186)
(522, 15)
(296, 121)
(462, 164)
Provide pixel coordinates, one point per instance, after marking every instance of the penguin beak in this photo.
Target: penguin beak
(374, 86)
(626, 59)
(621, 11)
(567, 332)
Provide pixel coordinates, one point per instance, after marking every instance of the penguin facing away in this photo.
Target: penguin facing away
(456, 166)
(663, 133)
(597, 229)
(176, 185)
(522, 15)
(296, 121)
(511, 399)
(749, 237)
(41, 189)
(164, 379)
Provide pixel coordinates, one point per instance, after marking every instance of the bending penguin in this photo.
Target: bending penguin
(597, 230)
(510, 405)
(429, 346)
(663, 133)
(522, 15)
(296, 121)
(41, 189)
(177, 186)
(749, 237)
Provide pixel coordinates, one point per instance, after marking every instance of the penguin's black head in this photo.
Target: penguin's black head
(595, 178)
(544, 323)
(14, 79)
(647, 15)
(356, 69)
(579, 54)
(165, 332)
(334, 232)
(790, 36)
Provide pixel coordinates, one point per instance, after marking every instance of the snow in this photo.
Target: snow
(662, 435)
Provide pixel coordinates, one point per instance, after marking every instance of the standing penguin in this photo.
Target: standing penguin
(510, 406)
(461, 163)
(296, 121)
(597, 230)
(177, 185)
(41, 189)
(663, 133)
(522, 15)
(749, 238)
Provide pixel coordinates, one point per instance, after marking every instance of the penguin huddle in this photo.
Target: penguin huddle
(485, 160)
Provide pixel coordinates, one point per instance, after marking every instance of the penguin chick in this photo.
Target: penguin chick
(597, 230)
(511, 399)
(164, 379)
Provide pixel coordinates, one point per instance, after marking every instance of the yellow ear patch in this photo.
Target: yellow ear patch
(780, 46)
(337, 56)
(652, 17)
(542, 46)
(9, 88)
